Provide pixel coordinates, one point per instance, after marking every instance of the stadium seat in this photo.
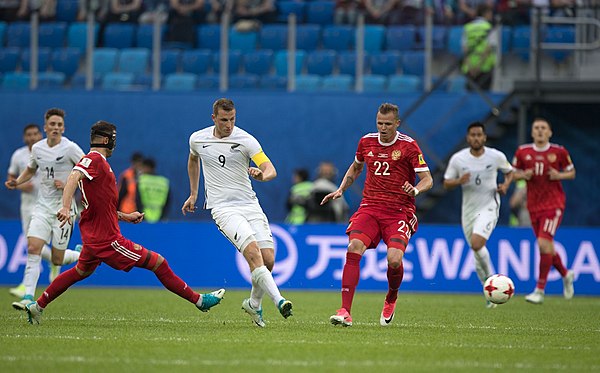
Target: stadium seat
(273, 37)
(78, 81)
(338, 38)
(133, 60)
(2, 33)
(455, 41)
(308, 83)
(43, 59)
(404, 84)
(281, 65)
(180, 82)
(259, 62)
(521, 39)
(338, 83)
(308, 37)
(169, 61)
(457, 84)
(196, 61)
(506, 39)
(562, 35)
(117, 81)
(18, 34)
(9, 57)
(66, 10)
(209, 37)
(320, 12)
(243, 81)
(374, 83)
(143, 81)
(65, 60)
(51, 79)
(16, 81)
(105, 60)
(119, 35)
(235, 61)
(374, 38)
(77, 35)
(384, 63)
(273, 82)
(52, 34)
(413, 63)
(208, 81)
(438, 38)
(285, 8)
(243, 41)
(400, 38)
(144, 34)
(320, 62)
(347, 62)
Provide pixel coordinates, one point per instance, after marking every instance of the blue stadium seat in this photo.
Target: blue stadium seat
(66, 10)
(521, 38)
(347, 62)
(2, 33)
(338, 83)
(16, 81)
(273, 37)
(400, 38)
(308, 83)
(243, 41)
(169, 61)
(320, 12)
(208, 82)
(308, 37)
(209, 37)
(281, 65)
(438, 38)
(243, 81)
(119, 35)
(66, 60)
(273, 82)
(9, 57)
(374, 83)
(506, 39)
(52, 34)
(78, 81)
(105, 60)
(321, 62)
(77, 35)
(259, 62)
(18, 34)
(117, 81)
(180, 82)
(51, 79)
(142, 81)
(385, 63)
(455, 41)
(338, 38)
(563, 35)
(235, 62)
(457, 84)
(133, 60)
(285, 8)
(374, 38)
(404, 84)
(413, 63)
(144, 34)
(43, 59)
(196, 61)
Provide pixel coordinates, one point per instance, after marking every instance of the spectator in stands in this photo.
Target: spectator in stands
(127, 11)
(154, 10)
(298, 198)
(337, 209)
(519, 215)
(382, 12)
(468, 9)
(411, 12)
(513, 13)
(9, 10)
(152, 196)
(127, 184)
(47, 10)
(99, 7)
(217, 9)
(184, 15)
(256, 10)
(346, 12)
(443, 11)
(479, 43)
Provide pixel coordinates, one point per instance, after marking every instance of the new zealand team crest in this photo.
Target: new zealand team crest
(396, 154)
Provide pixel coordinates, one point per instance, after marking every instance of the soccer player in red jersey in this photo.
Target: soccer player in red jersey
(387, 209)
(100, 232)
(544, 165)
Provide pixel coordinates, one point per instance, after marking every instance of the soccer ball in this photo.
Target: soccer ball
(498, 289)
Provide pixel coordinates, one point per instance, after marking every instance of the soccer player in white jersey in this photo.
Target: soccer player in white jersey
(476, 169)
(53, 158)
(225, 152)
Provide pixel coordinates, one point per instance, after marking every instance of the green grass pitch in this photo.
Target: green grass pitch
(152, 330)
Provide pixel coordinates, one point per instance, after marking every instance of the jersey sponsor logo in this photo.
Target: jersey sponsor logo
(421, 159)
(370, 154)
(85, 162)
(59, 158)
(396, 154)
(551, 157)
(382, 155)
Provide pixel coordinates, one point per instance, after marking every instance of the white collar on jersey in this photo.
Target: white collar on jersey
(542, 149)
(388, 143)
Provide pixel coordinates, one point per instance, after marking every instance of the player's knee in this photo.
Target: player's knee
(357, 247)
(57, 261)
(253, 255)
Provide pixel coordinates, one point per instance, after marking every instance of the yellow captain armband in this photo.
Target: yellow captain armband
(260, 158)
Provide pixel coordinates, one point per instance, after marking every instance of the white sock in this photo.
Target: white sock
(32, 273)
(71, 256)
(263, 279)
(256, 295)
(482, 263)
(47, 254)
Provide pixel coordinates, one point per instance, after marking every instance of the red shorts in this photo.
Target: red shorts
(545, 223)
(371, 225)
(121, 255)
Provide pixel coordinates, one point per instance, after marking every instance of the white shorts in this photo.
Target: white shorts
(46, 227)
(482, 224)
(243, 225)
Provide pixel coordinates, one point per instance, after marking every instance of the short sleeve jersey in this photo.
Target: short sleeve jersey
(18, 163)
(543, 193)
(225, 165)
(99, 223)
(53, 163)
(480, 193)
(389, 165)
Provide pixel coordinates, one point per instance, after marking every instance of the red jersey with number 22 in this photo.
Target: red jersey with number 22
(388, 167)
(543, 193)
(99, 224)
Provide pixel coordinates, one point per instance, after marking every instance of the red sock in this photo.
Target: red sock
(350, 277)
(558, 264)
(394, 276)
(59, 286)
(176, 285)
(545, 265)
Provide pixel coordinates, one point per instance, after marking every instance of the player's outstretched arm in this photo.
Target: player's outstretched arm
(64, 214)
(133, 217)
(353, 172)
(25, 176)
(194, 175)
